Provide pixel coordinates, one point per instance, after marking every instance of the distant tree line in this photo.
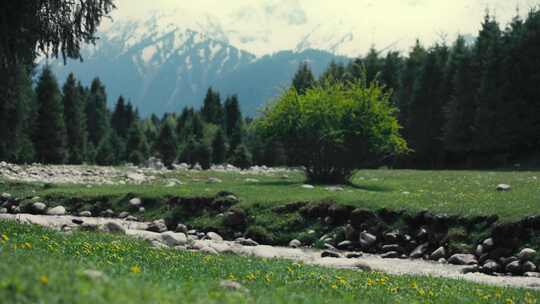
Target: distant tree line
(471, 104)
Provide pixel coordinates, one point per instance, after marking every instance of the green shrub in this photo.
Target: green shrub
(333, 129)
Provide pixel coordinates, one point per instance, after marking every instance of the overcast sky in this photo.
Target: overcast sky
(381, 22)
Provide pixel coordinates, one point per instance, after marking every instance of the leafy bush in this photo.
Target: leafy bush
(334, 128)
(241, 157)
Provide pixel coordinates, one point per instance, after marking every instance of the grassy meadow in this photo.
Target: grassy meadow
(43, 266)
(464, 193)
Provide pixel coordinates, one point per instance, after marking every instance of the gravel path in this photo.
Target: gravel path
(308, 256)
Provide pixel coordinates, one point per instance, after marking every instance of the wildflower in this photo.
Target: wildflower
(44, 280)
(5, 238)
(509, 301)
(135, 269)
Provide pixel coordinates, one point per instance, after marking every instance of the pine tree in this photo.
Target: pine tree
(241, 157)
(426, 109)
(488, 59)
(461, 107)
(233, 116)
(303, 79)
(105, 153)
(97, 115)
(373, 65)
(335, 73)
(75, 120)
(197, 127)
(212, 111)
(136, 146)
(391, 73)
(219, 149)
(166, 144)
(50, 133)
(203, 155)
(119, 118)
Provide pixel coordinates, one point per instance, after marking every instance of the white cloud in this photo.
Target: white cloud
(375, 22)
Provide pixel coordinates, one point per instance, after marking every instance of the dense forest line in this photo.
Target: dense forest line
(469, 104)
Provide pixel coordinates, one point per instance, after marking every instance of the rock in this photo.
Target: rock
(214, 237)
(508, 260)
(89, 227)
(214, 180)
(488, 244)
(141, 209)
(208, 250)
(422, 234)
(181, 228)
(232, 285)
(58, 210)
(3, 210)
(39, 208)
(344, 245)
(306, 186)
(136, 177)
(157, 226)
(391, 255)
(330, 254)
(463, 259)
(391, 237)
(77, 221)
(93, 275)
(490, 267)
(334, 189)
(131, 218)
(532, 274)
(503, 187)
(470, 269)
(174, 238)
(295, 243)
(392, 247)
(158, 245)
(367, 239)
(329, 247)
(439, 253)
(479, 250)
(353, 255)
(528, 266)
(419, 251)
(15, 209)
(85, 213)
(246, 242)
(113, 227)
(351, 234)
(514, 268)
(123, 214)
(251, 180)
(107, 213)
(135, 202)
(526, 254)
(6, 196)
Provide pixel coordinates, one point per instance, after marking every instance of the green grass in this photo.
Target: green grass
(42, 266)
(464, 193)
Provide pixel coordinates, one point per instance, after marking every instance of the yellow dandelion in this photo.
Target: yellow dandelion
(5, 238)
(334, 286)
(44, 280)
(135, 269)
(509, 301)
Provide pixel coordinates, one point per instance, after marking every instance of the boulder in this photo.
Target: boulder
(39, 208)
(490, 267)
(173, 239)
(208, 250)
(85, 213)
(246, 242)
(131, 218)
(113, 227)
(532, 274)
(526, 254)
(135, 202)
(470, 269)
(514, 268)
(353, 255)
(89, 227)
(392, 247)
(439, 253)
(391, 255)
(419, 251)
(181, 228)
(462, 259)
(295, 243)
(308, 186)
(330, 254)
(6, 196)
(503, 187)
(107, 213)
(123, 214)
(58, 210)
(3, 210)
(157, 226)
(391, 237)
(528, 266)
(367, 240)
(345, 245)
(488, 244)
(507, 260)
(214, 237)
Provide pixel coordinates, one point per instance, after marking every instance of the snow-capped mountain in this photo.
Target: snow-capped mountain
(162, 65)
